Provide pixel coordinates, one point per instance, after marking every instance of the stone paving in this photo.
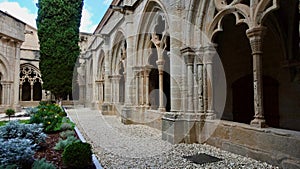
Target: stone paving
(137, 146)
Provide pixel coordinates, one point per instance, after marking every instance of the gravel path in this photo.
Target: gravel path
(138, 146)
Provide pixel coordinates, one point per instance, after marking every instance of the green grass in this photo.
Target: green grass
(2, 123)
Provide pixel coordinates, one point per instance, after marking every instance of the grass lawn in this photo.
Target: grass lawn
(2, 123)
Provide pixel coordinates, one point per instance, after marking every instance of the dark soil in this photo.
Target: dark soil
(51, 155)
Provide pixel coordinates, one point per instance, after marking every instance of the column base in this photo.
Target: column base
(126, 116)
(210, 116)
(162, 109)
(258, 123)
(107, 109)
(181, 128)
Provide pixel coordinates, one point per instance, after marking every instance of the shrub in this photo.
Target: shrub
(67, 124)
(16, 151)
(50, 115)
(62, 144)
(12, 166)
(66, 134)
(42, 164)
(14, 129)
(77, 155)
(9, 113)
(31, 110)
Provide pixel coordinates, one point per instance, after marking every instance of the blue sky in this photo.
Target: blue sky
(26, 10)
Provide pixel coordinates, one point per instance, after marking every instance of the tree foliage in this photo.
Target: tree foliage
(58, 25)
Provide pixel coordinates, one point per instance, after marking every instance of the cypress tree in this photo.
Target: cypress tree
(58, 25)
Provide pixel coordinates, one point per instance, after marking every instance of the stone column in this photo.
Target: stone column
(146, 74)
(160, 64)
(136, 73)
(31, 91)
(127, 111)
(189, 56)
(20, 90)
(117, 92)
(142, 86)
(113, 87)
(16, 104)
(6, 93)
(107, 86)
(101, 91)
(199, 82)
(4, 100)
(255, 36)
(209, 53)
(81, 93)
(130, 40)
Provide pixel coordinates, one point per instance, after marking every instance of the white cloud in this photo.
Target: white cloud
(107, 2)
(86, 21)
(22, 13)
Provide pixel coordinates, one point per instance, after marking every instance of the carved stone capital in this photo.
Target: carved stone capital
(188, 55)
(209, 53)
(255, 36)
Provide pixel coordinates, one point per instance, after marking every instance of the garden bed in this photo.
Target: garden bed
(51, 155)
(47, 140)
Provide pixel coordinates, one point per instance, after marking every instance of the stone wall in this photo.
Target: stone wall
(12, 27)
(11, 38)
(275, 146)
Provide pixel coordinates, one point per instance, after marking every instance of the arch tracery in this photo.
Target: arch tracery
(30, 83)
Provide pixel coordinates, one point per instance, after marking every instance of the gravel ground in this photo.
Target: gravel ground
(138, 146)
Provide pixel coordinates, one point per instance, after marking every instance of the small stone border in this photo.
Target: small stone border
(94, 158)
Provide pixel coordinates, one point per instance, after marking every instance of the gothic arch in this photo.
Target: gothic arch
(153, 61)
(252, 16)
(153, 9)
(118, 52)
(118, 67)
(100, 67)
(30, 83)
(3, 68)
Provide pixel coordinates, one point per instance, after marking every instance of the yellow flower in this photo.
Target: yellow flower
(49, 122)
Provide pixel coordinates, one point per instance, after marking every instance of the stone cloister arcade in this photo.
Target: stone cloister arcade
(30, 83)
(200, 71)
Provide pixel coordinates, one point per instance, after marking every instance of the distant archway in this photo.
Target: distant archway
(30, 83)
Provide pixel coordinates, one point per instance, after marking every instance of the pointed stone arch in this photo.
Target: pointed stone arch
(118, 67)
(153, 63)
(30, 83)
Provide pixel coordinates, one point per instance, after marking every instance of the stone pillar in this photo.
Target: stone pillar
(81, 93)
(101, 91)
(130, 58)
(199, 103)
(3, 93)
(31, 91)
(107, 87)
(16, 104)
(189, 56)
(255, 36)
(106, 106)
(136, 79)
(209, 54)
(142, 86)
(6, 93)
(160, 64)
(20, 90)
(117, 88)
(127, 111)
(146, 74)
